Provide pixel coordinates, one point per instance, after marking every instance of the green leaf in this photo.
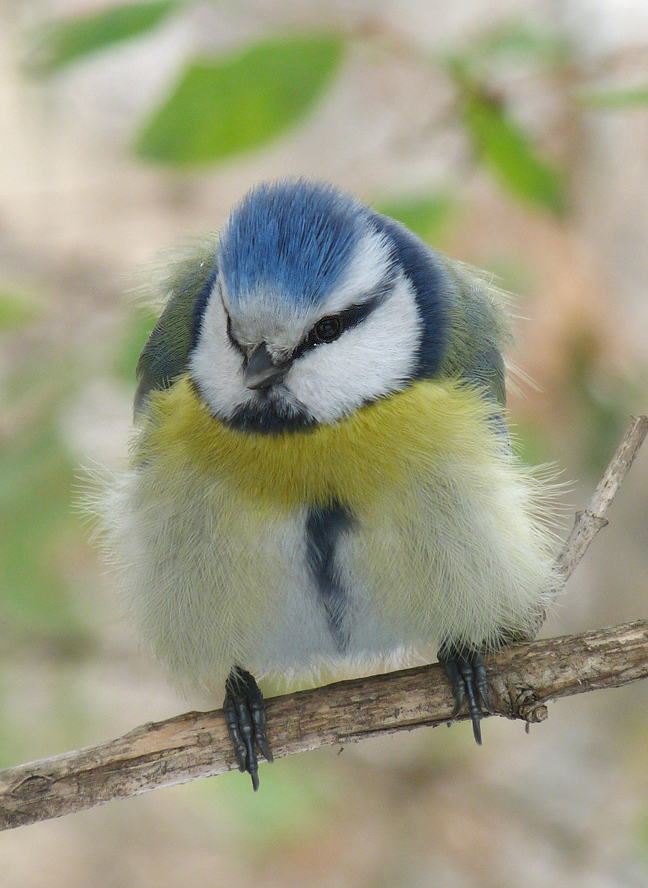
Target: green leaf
(223, 108)
(508, 152)
(67, 40)
(618, 99)
(425, 215)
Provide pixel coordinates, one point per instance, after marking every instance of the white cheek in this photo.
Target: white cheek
(368, 361)
(216, 365)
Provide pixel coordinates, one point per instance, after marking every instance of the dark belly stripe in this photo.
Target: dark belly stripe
(324, 527)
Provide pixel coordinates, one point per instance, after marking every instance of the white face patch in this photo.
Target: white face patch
(217, 365)
(369, 360)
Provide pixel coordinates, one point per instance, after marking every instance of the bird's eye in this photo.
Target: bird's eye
(327, 329)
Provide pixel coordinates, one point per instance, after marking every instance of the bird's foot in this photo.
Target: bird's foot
(466, 673)
(244, 709)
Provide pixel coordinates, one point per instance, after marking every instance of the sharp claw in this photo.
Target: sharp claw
(485, 702)
(481, 684)
(264, 746)
(245, 717)
(476, 726)
(467, 675)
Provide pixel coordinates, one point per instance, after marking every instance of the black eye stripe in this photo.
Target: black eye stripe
(356, 314)
(349, 317)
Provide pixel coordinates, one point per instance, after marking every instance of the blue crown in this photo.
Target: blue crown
(293, 238)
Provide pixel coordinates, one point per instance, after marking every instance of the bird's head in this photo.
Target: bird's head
(317, 306)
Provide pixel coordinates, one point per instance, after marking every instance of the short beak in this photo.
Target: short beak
(261, 371)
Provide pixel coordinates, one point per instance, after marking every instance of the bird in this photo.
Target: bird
(321, 475)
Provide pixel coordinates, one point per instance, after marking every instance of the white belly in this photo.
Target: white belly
(216, 580)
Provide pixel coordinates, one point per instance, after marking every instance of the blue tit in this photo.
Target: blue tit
(321, 475)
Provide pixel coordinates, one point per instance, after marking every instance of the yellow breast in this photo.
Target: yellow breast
(381, 445)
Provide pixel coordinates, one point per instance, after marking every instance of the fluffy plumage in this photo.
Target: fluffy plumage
(321, 473)
(367, 504)
(211, 526)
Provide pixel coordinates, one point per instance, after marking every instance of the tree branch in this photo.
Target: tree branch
(522, 679)
(592, 519)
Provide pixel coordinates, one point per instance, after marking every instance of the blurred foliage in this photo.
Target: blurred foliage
(227, 106)
(224, 108)
(39, 532)
(54, 715)
(36, 526)
(617, 99)
(69, 39)
(531, 443)
(504, 148)
(15, 310)
(429, 216)
(515, 40)
(137, 330)
(294, 803)
(600, 400)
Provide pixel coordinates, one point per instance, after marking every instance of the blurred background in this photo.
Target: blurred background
(512, 134)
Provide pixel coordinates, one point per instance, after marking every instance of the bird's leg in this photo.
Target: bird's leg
(244, 709)
(464, 667)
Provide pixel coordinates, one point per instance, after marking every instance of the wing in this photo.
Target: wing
(165, 356)
(479, 331)
(464, 318)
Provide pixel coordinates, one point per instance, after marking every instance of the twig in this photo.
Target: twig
(522, 679)
(592, 519)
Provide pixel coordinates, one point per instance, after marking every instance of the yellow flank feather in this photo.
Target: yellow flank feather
(385, 444)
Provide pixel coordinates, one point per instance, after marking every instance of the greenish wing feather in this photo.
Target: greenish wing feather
(165, 356)
(487, 370)
(479, 331)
